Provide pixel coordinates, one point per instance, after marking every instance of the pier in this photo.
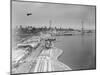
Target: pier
(43, 58)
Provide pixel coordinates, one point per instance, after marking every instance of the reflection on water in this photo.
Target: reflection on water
(78, 51)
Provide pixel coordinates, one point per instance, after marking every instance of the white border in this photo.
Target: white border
(5, 37)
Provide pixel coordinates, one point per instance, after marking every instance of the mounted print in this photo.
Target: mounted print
(52, 37)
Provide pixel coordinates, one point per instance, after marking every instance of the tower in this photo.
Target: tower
(50, 23)
(82, 23)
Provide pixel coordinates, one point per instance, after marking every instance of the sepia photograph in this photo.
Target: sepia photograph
(52, 37)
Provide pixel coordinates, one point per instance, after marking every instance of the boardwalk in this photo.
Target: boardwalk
(40, 60)
(45, 62)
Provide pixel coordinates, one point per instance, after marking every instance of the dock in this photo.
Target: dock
(47, 61)
(41, 59)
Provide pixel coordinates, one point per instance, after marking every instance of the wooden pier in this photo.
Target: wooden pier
(45, 61)
(41, 59)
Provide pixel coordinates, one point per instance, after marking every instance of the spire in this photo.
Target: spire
(50, 23)
(82, 22)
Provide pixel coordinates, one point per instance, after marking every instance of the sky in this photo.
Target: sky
(61, 15)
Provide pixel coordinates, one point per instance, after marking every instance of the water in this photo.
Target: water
(78, 51)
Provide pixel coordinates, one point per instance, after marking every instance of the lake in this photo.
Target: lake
(78, 51)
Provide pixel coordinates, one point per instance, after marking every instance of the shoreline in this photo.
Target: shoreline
(41, 60)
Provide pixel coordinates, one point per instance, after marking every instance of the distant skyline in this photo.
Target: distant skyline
(65, 16)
